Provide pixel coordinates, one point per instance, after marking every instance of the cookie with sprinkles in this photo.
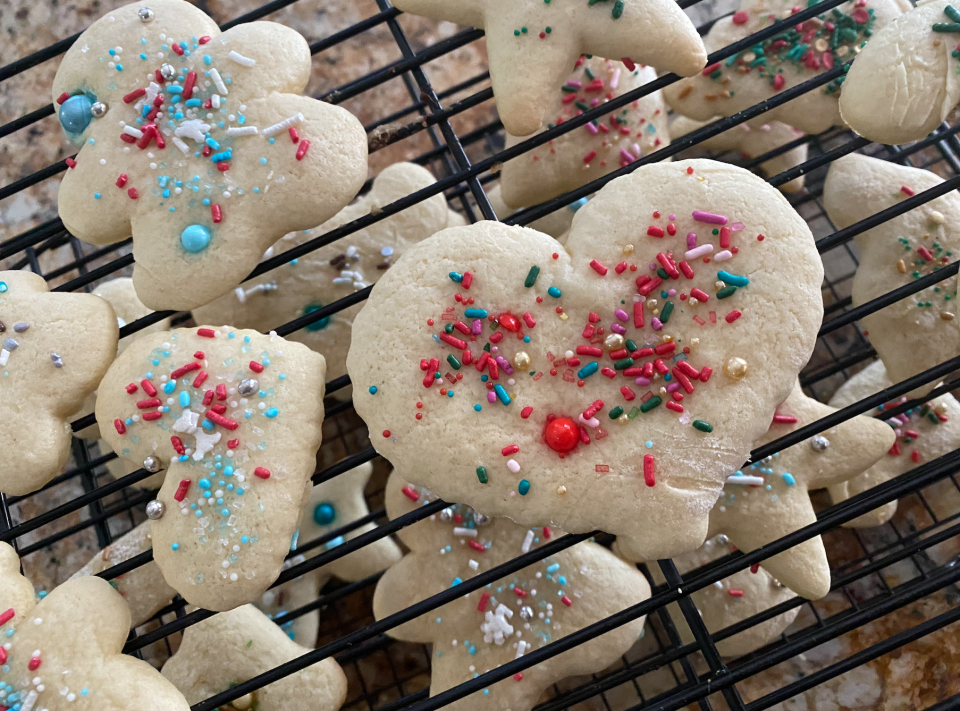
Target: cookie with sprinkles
(144, 588)
(728, 601)
(234, 418)
(200, 144)
(333, 505)
(54, 348)
(612, 383)
(791, 57)
(767, 500)
(533, 43)
(599, 147)
(539, 604)
(918, 331)
(64, 651)
(905, 82)
(317, 279)
(556, 224)
(923, 433)
(232, 647)
(751, 142)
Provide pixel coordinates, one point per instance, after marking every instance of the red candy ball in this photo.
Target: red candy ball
(509, 322)
(562, 434)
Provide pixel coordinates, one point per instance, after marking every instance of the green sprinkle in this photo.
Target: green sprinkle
(946, 27)
(623, 364)
(616, 412)
(448, 328)
(582, 105)
(631, 345)
(725, 292)
(633, 413)
(662, 273)
(618, 9)
(532, 276)
(523, 487)
(589, 73)
(702, 426)
(482, 475)
(653, 402)
(666, 311)
(249, 644)
(454, 363)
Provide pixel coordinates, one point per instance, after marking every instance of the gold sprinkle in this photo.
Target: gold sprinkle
(694, 342)
(947, 316)
(614, 342)
(623, 420)
(651, 304)
(940, 409)
(655, 312)
(936, 43)
(718, 285)
(692, 301)
(663, 391)
(735, 368)
(561, 490)
(666, 339)
(901, 266)
(842, 51)
(821, 45)
(521, 360)
(749, 57)
(563, 317)
(243, 703)
(628, 249)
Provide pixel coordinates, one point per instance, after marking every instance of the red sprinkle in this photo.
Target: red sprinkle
(216, 213)
(233, 443)
(219, 419)
(740, 18)
(590, 156)
(754, 568)
(207, 397)
(177, 49)
(206, 333)
(256, 367)
(710, 69)
(122, 180)
(566, 601)
(467, 280)
(302, 149)
(71, 163)
(454, 341)
(410, 493)
(34, 663)
(184, 369)
(686, 269)
(705, 373)
(182, 489)
(200, 379)
(223, 167)
(732, 316)
(638, 314)
(199, 355)
(909, 192)
(147, 404)
(482, 607)
(519, 592)
(915, 456)
(735, 593)
(526, 412)
(476, 545)
(188, 85)
(294, 135)
(510, 449)
(628, 63)
(598, 268)
(151, 416)
(628, 394)
(64, 96)
(519, 675)
(784, 419)
(221, 391)
(148, 387)
(262, 472)
(178, 446)
(132, 192)
(204, 39)
(121, 429)
(527, 318)
(131, 388)
(648, 470)
(654, 231)
(126, 138)
(700, 296)
(778, 82)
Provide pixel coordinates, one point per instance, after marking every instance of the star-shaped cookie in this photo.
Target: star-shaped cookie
(501, 622)
(532, 44)
(770, 499)
(63, 652)
(791, 57)
(727, 601)
(923, 433)
(232, 647)
(753, 141)
(921, 330)
(332, 505)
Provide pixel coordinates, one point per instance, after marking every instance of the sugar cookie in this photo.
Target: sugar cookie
(233, 647)
(770, 499)
(66, 650)
(923, 434)
(199, 143)
(727, 601)
(337, 270)
(332, 505)
(54, 348)
(781, 62)
(752, 142)
(904, 83)
(524, 428)
(532, 44)
(123, 298)
(482, 630)
(596, 149)
(234, 417)
(919, 331)
(556, 224)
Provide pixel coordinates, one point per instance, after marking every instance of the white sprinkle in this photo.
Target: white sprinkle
(593, 422)
(527, 542)
(233, 577)
(31, 699)
(240, 59)
(283, 125)
(473, 564)
(214, 102)
(513, 466)
(615, 79)
(521, 648)
(696, 252)
(103, 161)
(218, 82)
(746, 480)
(131, 131)
(343, 281)
(38, 621)
(243, 131)
(718, 585)
(468, 532)
(4, 356)
(722, 256)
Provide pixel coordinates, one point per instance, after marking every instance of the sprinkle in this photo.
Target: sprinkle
(702, 426)
(732, 279)
(501, 394)
(709, 217)
(182, 489)
(732, 316)
(240, 59)
(649, 464)
(121, 429)
(262, 472)
(222, 88)
(132, 96)
(650, 404)
(482, 475)
(528, 282)
(784, 420)
(302, 149)
(788, 479)
(726, 292)
(554, 292)
(243, 131)
(588, 370)
(598, 268)
(283, 125)
(523, 488)
(745, 480)
(482, 606)
(527, 542)
(723, 256)
(132, 131)
(909, 192)
(526, 412)
(510, 449)
(654, 231)
(478, 313)
(256, 367)
(205, 333)
(735, 593)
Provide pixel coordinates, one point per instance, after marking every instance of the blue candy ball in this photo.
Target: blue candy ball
(75, 114)
(324, 514)
(195, 238)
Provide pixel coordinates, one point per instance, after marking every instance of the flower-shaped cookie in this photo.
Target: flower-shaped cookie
(54, 348)
(752, 142)
(596, 149)
(234, 417)
(770, 499)
(905, 82)
(556, 224)
(781, 62)
(63, 652)
(532, 44)
(199, 144)
(923, 433)
(482, 630)
(123, 298)
(611, 383)
(321, 277)
(332, 505)
(918, 331)
(727, 601)
(232, 647)
(144, 587)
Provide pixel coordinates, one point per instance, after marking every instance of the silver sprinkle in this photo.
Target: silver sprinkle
(819, 443)
(526, 613)
(248, 386)
(146, 14)
(167, 71)
(10, 344)
(98, 109)
(480, 519)
(155, 510)
(20, 327)
(446, 514)
(722, 539)
(57, 360)
(151, 464)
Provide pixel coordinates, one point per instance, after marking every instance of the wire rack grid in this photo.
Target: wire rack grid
(894, 587)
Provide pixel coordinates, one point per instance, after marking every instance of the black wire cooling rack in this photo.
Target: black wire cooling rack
(894, 587)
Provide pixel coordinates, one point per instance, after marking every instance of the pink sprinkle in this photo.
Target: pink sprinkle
(642, 381)
(672, 218)
(598, 268)
(575, 84)
(592, 129)
(691, 240)
(656, 323)
(709, 218)
(621, 315)
(491, 397)
(615, 79)
(697, 252)
(907, 191)
(736, 226)
(673, 387)
(626, 155)
(617, 328)
(476, 328)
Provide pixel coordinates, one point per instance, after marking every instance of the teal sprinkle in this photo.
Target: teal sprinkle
(475, 313)
(373, 389)
(788, 478)
(175, 546)
(501, 394)
(554, 292)
(523, 487)
(272, 412)
(588, 370)
(732, 279)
